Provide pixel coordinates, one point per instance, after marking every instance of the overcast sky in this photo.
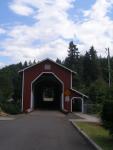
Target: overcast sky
(37, 29)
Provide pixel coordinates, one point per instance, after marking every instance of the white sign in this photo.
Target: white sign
(67, 98)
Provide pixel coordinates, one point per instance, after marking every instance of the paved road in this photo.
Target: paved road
(41, 131)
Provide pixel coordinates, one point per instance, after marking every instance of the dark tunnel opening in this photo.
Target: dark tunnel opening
(47, 92)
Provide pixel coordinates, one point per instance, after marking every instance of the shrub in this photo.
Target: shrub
(107, 116)
(98, 91)
(11, 108)
(2, 99)
(92, 108)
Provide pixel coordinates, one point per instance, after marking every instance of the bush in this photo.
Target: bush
(11, 108)
(92, 108)
(2, 99)
(107, 116)
(98, 91)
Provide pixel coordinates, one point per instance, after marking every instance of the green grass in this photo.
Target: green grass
(98, 134)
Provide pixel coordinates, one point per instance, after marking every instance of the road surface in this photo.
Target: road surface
(41, 130)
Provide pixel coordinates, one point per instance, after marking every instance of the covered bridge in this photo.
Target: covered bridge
(48, 85)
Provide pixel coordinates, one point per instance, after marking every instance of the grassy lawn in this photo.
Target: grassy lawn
(98, 134)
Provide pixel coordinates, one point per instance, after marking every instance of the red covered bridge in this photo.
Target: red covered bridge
(48, 85)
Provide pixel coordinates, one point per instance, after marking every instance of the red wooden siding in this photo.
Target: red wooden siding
(32, 73)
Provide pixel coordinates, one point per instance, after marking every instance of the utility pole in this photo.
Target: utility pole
(109, 67)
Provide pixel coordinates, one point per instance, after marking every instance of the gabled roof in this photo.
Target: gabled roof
(47, 59)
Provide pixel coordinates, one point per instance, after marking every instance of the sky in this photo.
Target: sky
(39, 29)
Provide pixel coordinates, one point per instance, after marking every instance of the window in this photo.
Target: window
(48, 94)
(47, 67)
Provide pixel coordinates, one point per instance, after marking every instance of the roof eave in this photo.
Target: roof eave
(79, 93)
(51, 61)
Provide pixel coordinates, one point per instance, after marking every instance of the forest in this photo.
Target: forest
(92, 78)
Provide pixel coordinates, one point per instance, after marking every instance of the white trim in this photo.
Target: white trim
(31, 102)
(22, 91)
(79, 93)
(51, 61)
(32, 96)
(71, 80)
(81, 100)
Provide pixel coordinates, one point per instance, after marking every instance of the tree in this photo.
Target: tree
(73, 57)
(104, 68)
(94, 72)
(25, 64)
(34, 62)
(91, 67)
(107, 116)
(8, 80)
(98, 91)
(17, 91)
(30, 63)
(86, 69)
(58, 61)
(10, 87)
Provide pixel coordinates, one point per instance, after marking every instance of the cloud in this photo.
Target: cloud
(97, 27)
(2, 65)
(46, 37)
(99, 10)
(53, 28)
(20, 9)
(2, 31)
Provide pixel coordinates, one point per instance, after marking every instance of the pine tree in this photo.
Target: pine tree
(73, 57)
(86, 69)
(91, 68)
(58, 61)
(94, 72)
(25, 64)
(34, 62)
(30, 63)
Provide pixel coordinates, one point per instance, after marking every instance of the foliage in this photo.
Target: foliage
(72, 59)
(91, 68)
(110, 93)
(10, 87)
(86, 69)
(92, 108)
(94, 72)
(98, 91)
(107, 116)
(58, 61)
(11, 107)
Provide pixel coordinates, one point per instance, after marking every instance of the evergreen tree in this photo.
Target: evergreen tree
(91, 67)
(58, 61)
(34, 62)
(8, 80)
(73, 57)
(94, 72)
(104, 69)
(30, 63)
(86, 69)
(25, 64)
